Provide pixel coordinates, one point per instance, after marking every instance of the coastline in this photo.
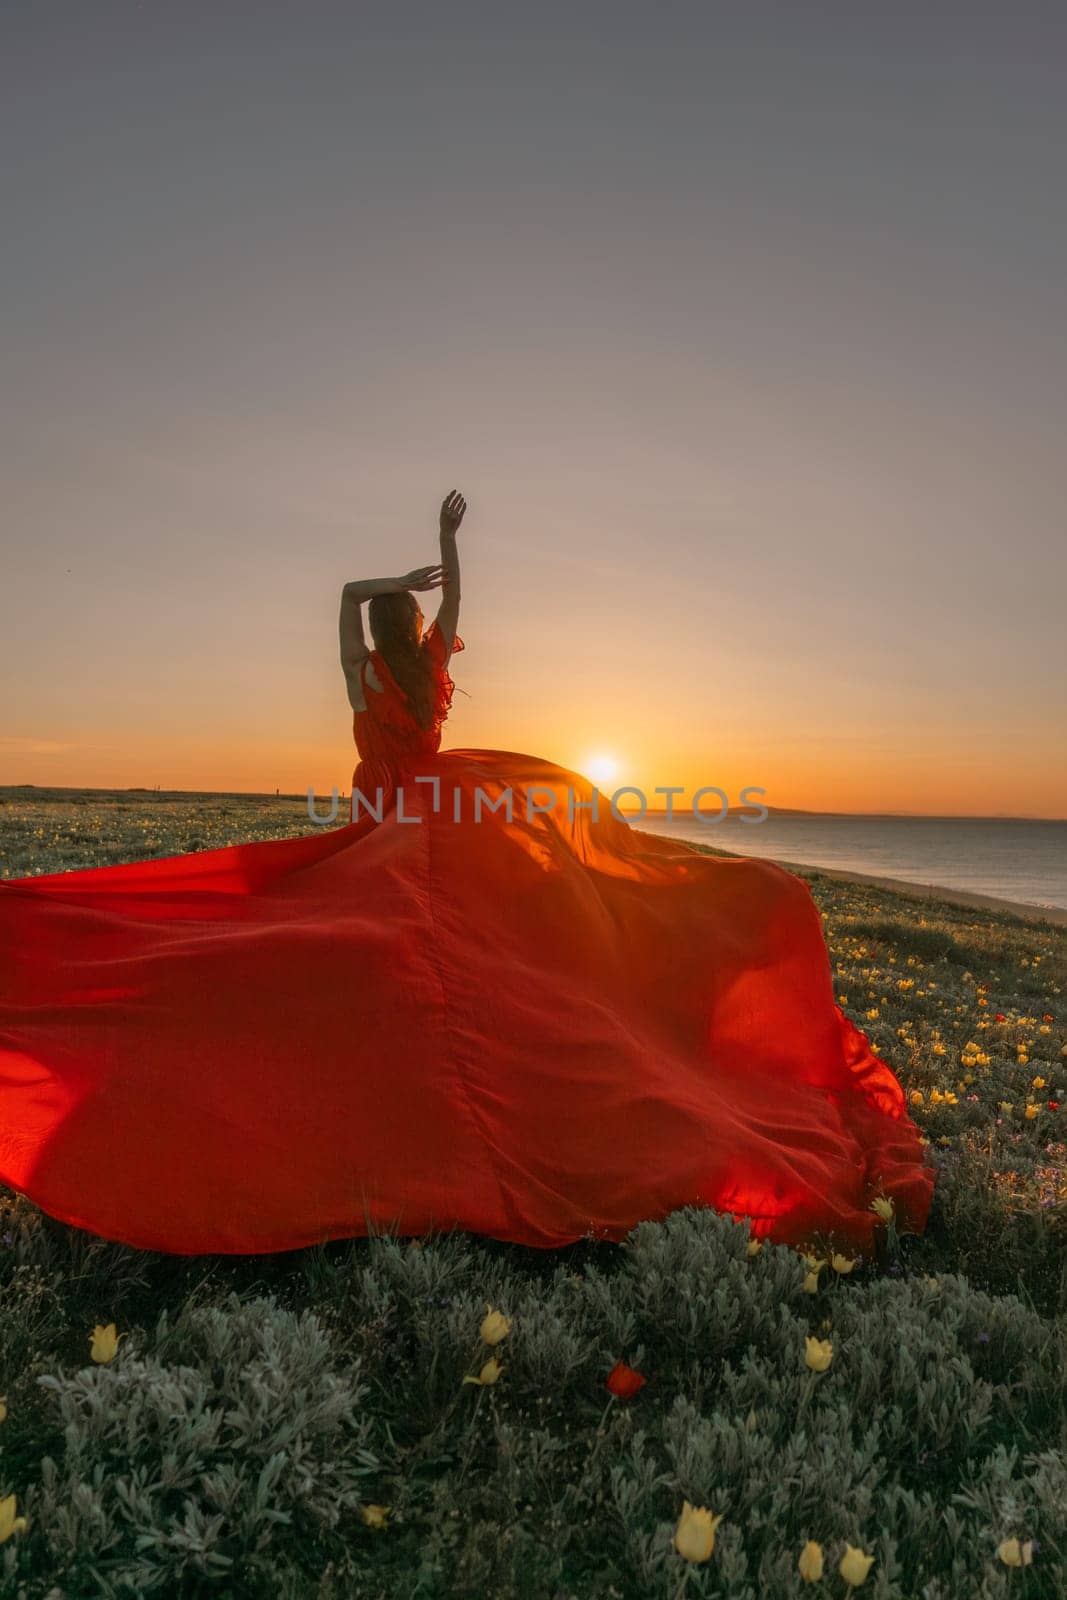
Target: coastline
(933, 893)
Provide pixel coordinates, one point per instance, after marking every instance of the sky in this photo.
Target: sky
(743, 329)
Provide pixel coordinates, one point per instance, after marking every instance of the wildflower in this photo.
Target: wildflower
(623, 1381)
(694, 1537)
(495, 1326)
(9, 1523)
(818, 1354)
(1015, 1554)
(841, 1264)
(104, 1342)
(883, 1208)
(489, 1373)
(854, 1566)
(810, 1563)
(375, 1516)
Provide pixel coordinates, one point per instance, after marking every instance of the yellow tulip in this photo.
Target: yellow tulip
(751, 1422)
(104, 1342)
(1006, 1107)
(810, 1563)
(694, 1537)
(3, 1407)
(495, 1326)
(754, 1247)
(916, 1097)
(841, 1264)
(375, 1516)
(883, 1208)
(811, 1283)
(814, 1262)
(854, 1566)
(1014, 1554)
(1032, 1111)
(489, 1373)
(1039, 1083)
(818, 1353)
(9, 1523)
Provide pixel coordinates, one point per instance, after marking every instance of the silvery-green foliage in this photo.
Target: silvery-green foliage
(188, 1460)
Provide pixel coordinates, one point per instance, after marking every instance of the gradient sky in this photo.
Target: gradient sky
(742, 328)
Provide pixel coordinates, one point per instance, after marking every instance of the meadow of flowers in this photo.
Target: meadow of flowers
(685, 1414)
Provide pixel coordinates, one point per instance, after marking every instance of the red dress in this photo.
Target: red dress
(533, 1029)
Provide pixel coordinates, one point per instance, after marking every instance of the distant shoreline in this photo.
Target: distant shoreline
(931, 892)
(35, 791)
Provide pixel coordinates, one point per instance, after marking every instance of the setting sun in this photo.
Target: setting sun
(601, 767)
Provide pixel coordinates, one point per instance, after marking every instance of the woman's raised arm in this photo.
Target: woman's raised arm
(452, 508)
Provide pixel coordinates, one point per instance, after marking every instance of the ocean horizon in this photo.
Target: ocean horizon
(1009, 858)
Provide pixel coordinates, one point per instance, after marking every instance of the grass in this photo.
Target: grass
(258, 1406)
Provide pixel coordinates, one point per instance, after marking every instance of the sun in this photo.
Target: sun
(601, 767)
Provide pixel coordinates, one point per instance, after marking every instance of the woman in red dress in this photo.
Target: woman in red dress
(484, 1003)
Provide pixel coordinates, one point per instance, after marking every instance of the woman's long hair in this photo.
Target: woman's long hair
(396, 626)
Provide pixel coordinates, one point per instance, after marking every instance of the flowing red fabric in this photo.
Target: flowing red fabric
(535, 1028)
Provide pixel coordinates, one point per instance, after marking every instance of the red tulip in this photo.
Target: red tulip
(623, 1382)
(1054, 1105)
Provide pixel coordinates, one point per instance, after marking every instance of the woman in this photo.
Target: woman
(484, 1003)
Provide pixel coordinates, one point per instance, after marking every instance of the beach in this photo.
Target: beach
(934, 894)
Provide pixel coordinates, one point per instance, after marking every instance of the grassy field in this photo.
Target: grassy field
(299, 1424)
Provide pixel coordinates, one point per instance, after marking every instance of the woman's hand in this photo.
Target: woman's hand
(452, 508)
(422, 578)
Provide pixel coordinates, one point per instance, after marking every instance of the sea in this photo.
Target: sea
(1009, 858)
